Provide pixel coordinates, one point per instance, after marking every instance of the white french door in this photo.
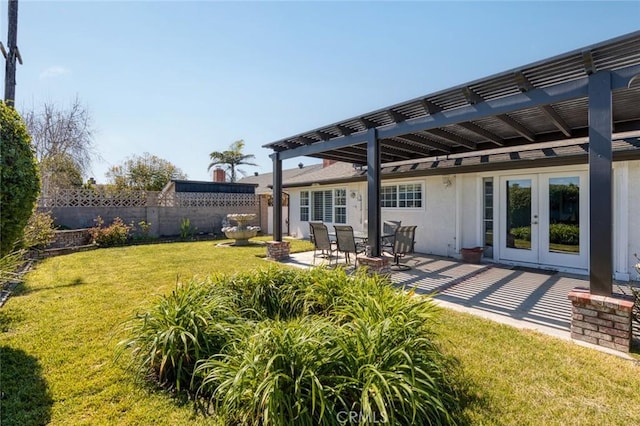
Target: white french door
(544, 219)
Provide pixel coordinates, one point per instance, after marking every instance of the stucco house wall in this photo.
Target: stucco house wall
(451, 215)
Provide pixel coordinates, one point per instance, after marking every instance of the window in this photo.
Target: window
(402, 196)
(340, 205)
(304, 206)
(389, 196)
(487, 215)
(324, 206)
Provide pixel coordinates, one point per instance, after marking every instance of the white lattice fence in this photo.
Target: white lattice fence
(206, 199)
(97, 198)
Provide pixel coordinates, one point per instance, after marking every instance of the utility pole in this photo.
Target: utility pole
(11, 54)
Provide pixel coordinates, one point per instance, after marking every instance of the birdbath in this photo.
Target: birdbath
(241, 233)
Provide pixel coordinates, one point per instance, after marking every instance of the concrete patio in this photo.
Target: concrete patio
(521, 297)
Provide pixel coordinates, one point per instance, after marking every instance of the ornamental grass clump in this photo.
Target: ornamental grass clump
(286, 347)
(190, 324)
(281, 375)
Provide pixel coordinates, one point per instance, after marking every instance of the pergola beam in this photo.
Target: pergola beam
(555, 118)
(473, 98)
(519, 128)
(458, 140)
(525, 85)
(425, 142)
(368, 124)
(323, 135)
(482, 132)
(415, 148)
(429, 107)
(534, 98)
(589, 65)
(396, 116)
(345, 131)
(317, 148)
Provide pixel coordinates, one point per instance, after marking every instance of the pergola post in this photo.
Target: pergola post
(600, 185)
(373, 192)
(277, 197)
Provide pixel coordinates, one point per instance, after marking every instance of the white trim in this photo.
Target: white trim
(621, 221)
(479, 211)
(458, 230)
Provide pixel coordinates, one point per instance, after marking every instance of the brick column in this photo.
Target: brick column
(601, 320)
(277, 250)
(375, 265)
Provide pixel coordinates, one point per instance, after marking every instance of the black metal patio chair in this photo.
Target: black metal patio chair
(388, 232)
(403, 243)
(347, 243)
(319, 235)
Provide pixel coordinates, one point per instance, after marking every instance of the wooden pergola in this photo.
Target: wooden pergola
(591, 92)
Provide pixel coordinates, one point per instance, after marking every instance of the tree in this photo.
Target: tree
(63, 141)
(60, 171)
(232, 158)
(144, 172)
(19, 183)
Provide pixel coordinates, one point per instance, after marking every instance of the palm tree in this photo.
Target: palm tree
(232, 158)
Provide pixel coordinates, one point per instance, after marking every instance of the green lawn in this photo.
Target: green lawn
(59, 333)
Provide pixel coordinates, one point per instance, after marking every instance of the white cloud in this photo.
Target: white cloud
(54, 71)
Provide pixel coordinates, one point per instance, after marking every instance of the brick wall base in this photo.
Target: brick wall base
(375, 265)
(601, 320)
(277, 250)
(70, 238)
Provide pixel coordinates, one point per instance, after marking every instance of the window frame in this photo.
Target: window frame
(331, 205)
(399, 197)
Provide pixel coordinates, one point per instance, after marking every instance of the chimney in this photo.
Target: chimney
(219, 175)
(326, 162)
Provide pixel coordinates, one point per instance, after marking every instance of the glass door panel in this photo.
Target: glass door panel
(563, 220)
(564, 215)
(519, 224)
(519, 214)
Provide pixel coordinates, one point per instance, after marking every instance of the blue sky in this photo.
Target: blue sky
(181, 79)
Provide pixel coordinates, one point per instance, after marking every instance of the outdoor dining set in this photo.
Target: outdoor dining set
(396, 240)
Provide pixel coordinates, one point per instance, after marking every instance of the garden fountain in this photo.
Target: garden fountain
(241, 233)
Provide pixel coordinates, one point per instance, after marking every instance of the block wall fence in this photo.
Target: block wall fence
(76, 209)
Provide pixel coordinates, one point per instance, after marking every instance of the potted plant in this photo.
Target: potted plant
(471, 254)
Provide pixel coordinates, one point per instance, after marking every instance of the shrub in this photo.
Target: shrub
(19, 178)
(9, 265)
(190, 324)
(145, 228)
(396, 373)
(266, 294)
(522, 233)
(39, 231)
(560, 233)
(186, 230)
(288, 347)
(280, 376)
(116, 234)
